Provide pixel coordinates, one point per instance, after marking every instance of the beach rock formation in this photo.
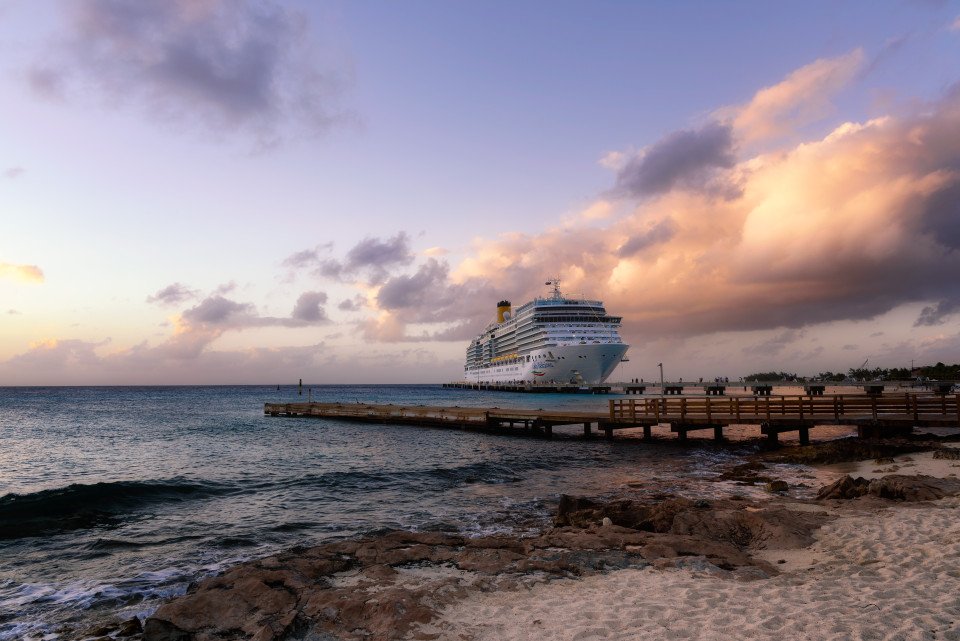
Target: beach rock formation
(948, 453)
(380, 588)
(917, 487)
(385, 587)
(846, 487)
(899, 487)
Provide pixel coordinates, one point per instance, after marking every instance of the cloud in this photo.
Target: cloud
(799, 99)
(372, 258)
(173, 295)
(659, 232)
(774, 345)
(307, 257)
(416, 290)
(688, 158)
(938, 314)
(955, 25)
(13, 312)
(21, 273)
(844, 226)
(13, 172)
(72, 361)
(231, 64)
(429, 298)
(354, 304)
(217, 310)
(308, 308)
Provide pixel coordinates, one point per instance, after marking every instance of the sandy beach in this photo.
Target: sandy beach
(886, 573)
(869, 559)
(879, 570)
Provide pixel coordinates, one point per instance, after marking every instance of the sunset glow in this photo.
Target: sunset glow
(309, 196)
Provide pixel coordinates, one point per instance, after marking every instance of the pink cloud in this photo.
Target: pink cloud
(21, 273)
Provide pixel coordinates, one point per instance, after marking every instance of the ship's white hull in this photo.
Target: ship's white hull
(581, 364)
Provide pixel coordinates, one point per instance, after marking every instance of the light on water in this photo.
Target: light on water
(112, 499)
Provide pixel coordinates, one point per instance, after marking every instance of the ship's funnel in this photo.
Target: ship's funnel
(503, 311)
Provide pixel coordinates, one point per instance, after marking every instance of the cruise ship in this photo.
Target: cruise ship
(556, 340)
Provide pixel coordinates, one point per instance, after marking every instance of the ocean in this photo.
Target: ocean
(115, 498)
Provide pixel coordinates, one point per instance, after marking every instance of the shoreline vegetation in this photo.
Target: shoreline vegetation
(859, 561)
(936, 372)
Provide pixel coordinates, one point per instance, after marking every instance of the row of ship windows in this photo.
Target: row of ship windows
(518, 336)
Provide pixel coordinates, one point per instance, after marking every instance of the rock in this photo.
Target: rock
(657, 517)
(746, 473)
(130, 628)
(103, 630)
(769, 528)
(571, 504)
(365, 589)
(849, 449)
(488, 560)
(777, 486)
(844, 488)
(947, 453)
(883, 460)
(912, 488)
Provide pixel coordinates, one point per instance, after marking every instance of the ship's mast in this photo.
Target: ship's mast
(555, 282)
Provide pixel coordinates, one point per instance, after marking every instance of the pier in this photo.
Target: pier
(873, 415)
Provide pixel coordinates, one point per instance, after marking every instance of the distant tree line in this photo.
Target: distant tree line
(785, 377)
(938, 372)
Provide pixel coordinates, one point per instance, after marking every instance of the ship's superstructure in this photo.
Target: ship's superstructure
(555, 339)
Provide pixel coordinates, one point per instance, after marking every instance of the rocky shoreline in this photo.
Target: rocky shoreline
(392, 586)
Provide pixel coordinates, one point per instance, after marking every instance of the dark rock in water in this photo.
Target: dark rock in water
(570, 504)
(777, 486)
(851, 449)
(746, 473)
(657, 517)
(103, 630)
(701, 503)
(913, 488)
(130, 628)
(883, 460)
(948, 453)
(844, 488)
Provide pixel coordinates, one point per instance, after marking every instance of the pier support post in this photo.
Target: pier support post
(804, 436)
(681, 434)
(608, 433)
(773, 438)
(548, 430)
(647, 432)
(718, 433)
(586, 429)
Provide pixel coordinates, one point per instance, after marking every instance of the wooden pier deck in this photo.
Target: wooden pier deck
(873, 415)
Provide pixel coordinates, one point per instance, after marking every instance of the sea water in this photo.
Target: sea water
(115, 498)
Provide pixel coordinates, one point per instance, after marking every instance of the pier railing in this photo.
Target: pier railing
(765, 409)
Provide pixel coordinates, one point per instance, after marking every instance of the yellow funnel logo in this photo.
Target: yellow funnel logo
(503, 311)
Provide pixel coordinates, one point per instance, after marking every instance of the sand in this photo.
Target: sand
(881, 570)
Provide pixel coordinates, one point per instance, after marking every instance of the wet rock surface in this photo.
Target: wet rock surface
(855, 449)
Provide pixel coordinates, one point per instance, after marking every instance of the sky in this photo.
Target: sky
(240, 191)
